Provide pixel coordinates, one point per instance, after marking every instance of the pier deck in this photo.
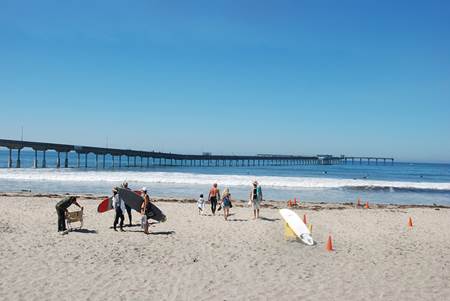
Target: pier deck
(151, 158)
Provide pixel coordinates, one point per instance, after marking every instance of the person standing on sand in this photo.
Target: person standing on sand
(226, 203)
(61, 209)
(128, 208)
(119, 208)
(145, 208)
(214, 195)
(201, 204)
(255, 199)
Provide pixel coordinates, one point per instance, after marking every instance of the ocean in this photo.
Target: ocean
(401, 183)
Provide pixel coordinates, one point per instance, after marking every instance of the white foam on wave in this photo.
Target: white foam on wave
(151, 177)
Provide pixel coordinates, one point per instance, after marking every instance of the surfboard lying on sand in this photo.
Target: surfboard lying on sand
(297, 225)
(135, 201)
(105, 205)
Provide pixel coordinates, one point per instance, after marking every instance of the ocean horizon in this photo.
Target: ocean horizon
(400, 183)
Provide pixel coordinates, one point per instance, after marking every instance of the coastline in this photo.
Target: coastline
(270, 204)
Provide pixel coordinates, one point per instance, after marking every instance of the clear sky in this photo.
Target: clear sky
(243, 77)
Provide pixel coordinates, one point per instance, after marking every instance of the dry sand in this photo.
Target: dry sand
(193, 257)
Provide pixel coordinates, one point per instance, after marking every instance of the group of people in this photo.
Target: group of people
(120, 206)
(224, 201)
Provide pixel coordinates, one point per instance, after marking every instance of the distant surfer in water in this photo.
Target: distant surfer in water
(145, 209)
(255, 199)
(128, 208)
(214, 195)
(119, 208)
(61, 209)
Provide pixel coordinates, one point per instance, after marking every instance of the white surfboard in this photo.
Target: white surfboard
(297, 225)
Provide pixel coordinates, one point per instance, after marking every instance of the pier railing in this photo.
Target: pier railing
(151, 158)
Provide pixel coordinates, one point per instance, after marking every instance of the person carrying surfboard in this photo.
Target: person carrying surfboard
(61, 209)
(127, 208)
(214, 195)
(144, 209)
(255, 199)
(119, 208)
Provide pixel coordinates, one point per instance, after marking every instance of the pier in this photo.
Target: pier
(363, 160)
(121, 158)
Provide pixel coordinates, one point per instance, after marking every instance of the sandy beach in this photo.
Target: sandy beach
(193, 257)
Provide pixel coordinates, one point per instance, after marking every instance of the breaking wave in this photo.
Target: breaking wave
(180, 178)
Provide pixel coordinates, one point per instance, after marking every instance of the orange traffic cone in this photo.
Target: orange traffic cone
(329, 246)
(304, 219)
(366, 206)
(410, 222)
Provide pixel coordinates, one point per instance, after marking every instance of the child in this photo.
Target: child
(200, 204)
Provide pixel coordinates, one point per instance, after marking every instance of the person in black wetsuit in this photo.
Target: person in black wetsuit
(127, 208)
(119, 208)
(61, 209)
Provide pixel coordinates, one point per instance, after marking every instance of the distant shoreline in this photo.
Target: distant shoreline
(269, 204)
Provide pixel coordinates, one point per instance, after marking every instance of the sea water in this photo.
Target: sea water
(400, 183)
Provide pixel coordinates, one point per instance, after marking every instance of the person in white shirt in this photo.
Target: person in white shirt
(119, 207)
(200, 204)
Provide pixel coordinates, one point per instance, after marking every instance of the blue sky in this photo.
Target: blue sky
(293, 77)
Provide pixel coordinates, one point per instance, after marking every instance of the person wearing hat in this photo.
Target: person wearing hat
(255, 199)
(61, 210)
(127, 208)
(145, 207)
(119, 207)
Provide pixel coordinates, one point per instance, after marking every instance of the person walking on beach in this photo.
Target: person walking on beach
(214, 195)
(145, 208)
(201, 204)
(61, 210)
(119, 208)
(226, 203)
(255, 199)
(127, 208)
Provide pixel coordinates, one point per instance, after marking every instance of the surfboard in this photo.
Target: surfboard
(297, 225)
(135, 201)
(105, 205)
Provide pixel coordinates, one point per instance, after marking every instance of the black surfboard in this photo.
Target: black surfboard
(135, 201)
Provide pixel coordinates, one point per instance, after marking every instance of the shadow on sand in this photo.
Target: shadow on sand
(162, 233)
(237, 220)
(269, 219)
(87, 231)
